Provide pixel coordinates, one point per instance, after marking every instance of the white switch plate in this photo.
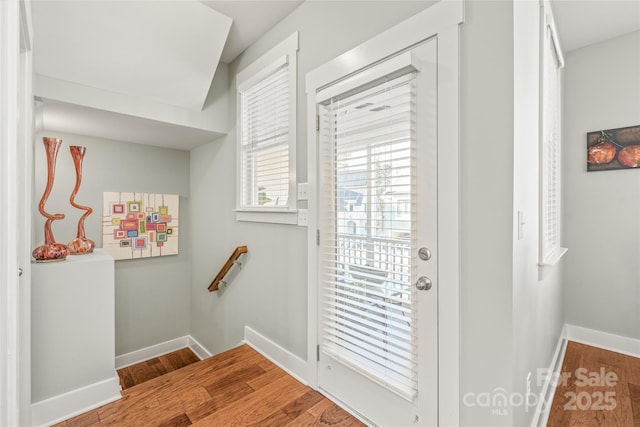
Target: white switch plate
(302, 191)
(521, 224)
(303, 217)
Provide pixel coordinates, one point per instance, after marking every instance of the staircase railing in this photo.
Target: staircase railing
(234, 260)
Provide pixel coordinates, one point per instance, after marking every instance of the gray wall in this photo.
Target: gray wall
(270, 294)
(602, 209)
(152, 295)
(511, 317)
(538, 315)
(486, 180)
(501, 295)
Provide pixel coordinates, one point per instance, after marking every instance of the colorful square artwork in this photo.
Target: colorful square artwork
(129, 224)
(134, 206)
(140, 243)
(140, 225)
(117, 209)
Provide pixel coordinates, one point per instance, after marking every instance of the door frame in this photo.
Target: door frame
(16, 130)
(442, 22)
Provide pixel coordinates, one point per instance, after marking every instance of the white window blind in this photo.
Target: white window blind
(550, 212)
(264, 142)
(367, 147)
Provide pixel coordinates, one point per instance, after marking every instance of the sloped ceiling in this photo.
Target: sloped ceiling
(162, 54)
(584, 22)
(251, 19)
(165, 51)
(83, 120)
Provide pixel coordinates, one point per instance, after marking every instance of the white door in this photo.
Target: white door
(377, 267)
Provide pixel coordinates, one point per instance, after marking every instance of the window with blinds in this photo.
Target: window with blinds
(264, 141)
(368, 151)
(550, 214)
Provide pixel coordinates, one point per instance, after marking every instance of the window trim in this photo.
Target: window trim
(549, 39)
(284, 52)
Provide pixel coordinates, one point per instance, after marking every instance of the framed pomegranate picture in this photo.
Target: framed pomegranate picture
(613, 149)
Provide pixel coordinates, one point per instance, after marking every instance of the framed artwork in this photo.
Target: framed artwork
(140, 225)
(613, 149)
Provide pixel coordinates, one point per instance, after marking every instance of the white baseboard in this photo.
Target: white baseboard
(75, 402)
(198, 349)
(549, 387)
(292, 364)
(605, 340)
(62, 407)
(156, 350)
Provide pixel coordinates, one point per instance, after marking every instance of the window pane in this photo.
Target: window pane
(265, 142)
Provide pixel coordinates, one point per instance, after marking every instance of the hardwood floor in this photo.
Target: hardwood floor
(236, 388)
(600, 388)
(153, 368)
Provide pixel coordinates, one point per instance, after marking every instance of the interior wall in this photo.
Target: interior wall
(538, 315)
(270, 293)
(486, 206)
(602, 229)
(152, 295)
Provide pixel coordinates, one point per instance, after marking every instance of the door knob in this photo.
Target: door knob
(424, 283)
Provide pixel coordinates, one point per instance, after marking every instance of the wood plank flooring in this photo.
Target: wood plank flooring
(153, 368)
(601, 389)
(236, 388)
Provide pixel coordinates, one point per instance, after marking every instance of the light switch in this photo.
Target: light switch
(303, 217)
(302, 191)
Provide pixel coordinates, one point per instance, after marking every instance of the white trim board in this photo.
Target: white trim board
(289, 362)
(604, 340)
(198, 349)
(541, 415)
(75, 402)
(163, 348)
(64, 406)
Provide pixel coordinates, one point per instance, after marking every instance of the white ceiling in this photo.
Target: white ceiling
(165, 51)
(168, 51)
(584, 22)
(58, 116)
(161, 51)
(251, 19)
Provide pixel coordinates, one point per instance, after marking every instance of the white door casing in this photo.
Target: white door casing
(439, 22)
(16, 126)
